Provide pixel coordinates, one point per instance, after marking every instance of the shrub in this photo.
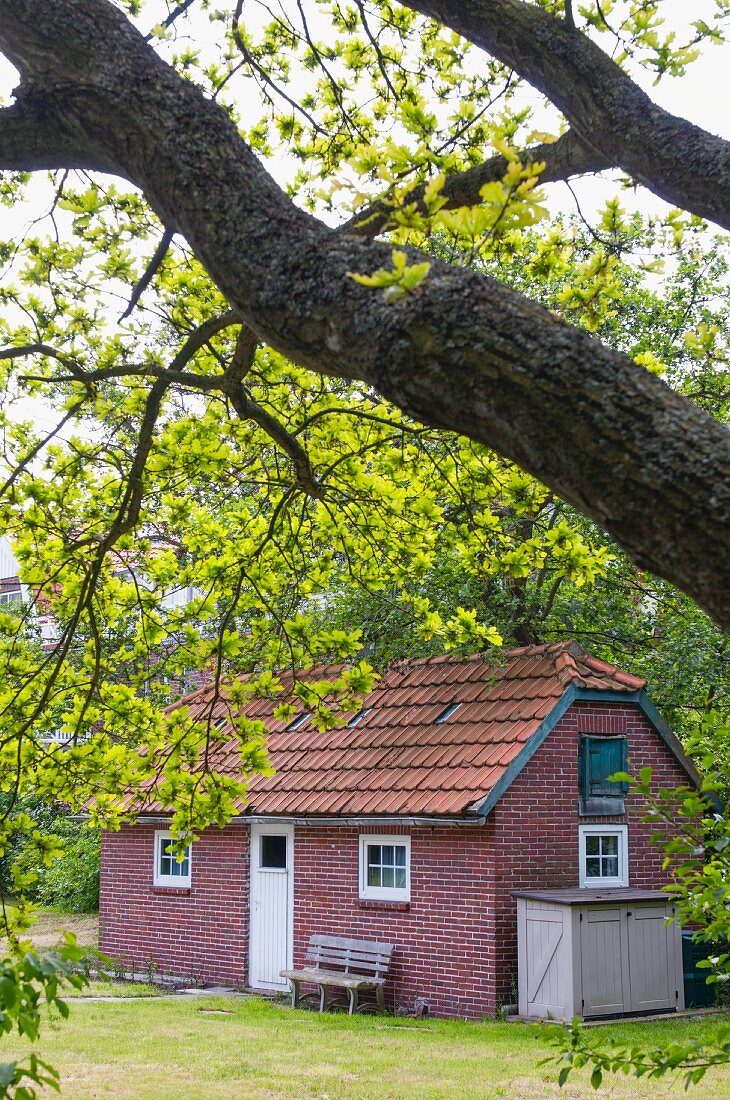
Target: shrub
(72, 881)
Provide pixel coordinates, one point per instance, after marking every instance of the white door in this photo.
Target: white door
(272, 905)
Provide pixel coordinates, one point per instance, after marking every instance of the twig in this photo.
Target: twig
(150, 271)
(171, 17)
(251, 410)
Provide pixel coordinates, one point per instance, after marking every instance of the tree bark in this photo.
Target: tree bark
(460, 352)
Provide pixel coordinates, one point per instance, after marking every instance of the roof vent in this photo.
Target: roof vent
(298, 721)
(359, 716)
(448, 712)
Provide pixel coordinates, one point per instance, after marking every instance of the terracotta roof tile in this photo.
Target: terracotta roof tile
(400, 760)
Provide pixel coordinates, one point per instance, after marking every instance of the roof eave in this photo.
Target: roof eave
(476, 818)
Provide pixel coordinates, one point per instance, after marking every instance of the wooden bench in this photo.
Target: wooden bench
(339, 963)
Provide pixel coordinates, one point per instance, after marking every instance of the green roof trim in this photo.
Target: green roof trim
(572, 695)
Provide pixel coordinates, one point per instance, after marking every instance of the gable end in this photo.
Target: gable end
(570, 696)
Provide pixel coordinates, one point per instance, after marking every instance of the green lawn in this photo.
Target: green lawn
(208, 1048)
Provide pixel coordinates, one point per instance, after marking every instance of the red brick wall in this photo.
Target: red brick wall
(535, 825)
(456, 939)
(444, 947)
(199, 934)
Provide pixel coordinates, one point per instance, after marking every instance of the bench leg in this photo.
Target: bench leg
(380, 997)
(294, 992)
(353, 997)
(322, 998)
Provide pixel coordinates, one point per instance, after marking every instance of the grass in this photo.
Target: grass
(108, 987)
(225, 1048)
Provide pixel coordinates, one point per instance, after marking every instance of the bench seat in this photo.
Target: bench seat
(339, 963)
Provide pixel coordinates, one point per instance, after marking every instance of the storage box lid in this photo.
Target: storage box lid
(576, 895)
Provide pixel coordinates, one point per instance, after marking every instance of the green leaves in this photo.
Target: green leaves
(581, 1048)
(28, 980)
(400, 280)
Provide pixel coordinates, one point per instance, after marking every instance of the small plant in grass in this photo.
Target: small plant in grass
(118, 967)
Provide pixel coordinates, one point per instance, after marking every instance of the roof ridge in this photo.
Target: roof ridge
(567, 669)
(514, 651)
(438, 659)
(599, 665)
(200, 692)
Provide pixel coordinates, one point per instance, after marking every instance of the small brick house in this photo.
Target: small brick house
(457, 783)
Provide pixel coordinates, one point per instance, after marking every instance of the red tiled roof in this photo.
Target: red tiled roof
(397, 759)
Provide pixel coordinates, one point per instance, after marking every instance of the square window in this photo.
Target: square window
(604, 857)
(385, 868)
(273, 851)
(169, 870)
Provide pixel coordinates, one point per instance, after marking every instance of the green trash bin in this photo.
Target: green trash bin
(697, 993)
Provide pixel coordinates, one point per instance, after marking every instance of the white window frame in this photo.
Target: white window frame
(178, 882)
(384, 893)
(620, 831)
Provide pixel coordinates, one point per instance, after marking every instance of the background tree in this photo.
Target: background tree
(489, 363)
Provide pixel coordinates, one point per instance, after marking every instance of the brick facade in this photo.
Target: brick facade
(456, 938)
(535, 825)
(200, 933)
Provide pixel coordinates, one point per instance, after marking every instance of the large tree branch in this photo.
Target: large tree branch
(678, 161)
(566, 157)
(461, 352)
(32, 139)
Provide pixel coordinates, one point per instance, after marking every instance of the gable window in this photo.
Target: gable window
(601, 757)
(385, 867)
(169, 870)
(604, 855)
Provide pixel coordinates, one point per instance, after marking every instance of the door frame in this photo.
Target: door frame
(257, 830)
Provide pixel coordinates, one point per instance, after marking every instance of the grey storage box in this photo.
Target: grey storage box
(609, 952)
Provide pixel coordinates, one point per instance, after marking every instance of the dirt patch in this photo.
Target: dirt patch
(50, 927)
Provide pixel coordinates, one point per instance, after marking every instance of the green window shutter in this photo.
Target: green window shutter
(583, 770)
(601, 757)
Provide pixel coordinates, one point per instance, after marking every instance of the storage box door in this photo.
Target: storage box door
(604, 961)
(652, 968)
(545, 974)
